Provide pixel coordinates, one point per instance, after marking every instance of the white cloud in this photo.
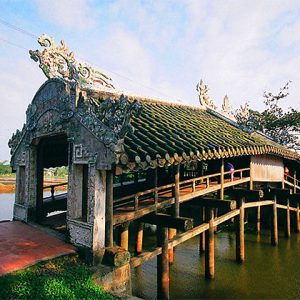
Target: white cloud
(73, 15)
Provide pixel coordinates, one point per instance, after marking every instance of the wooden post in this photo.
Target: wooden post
(202, 235)
(171, 234)
(176, 190)
(124, 235)
(209, 244)
(240, 238)
(109, 240)
(288, 220)
(163, 280)
(251, 176)
(155, 183)
(139, 238)
(258, 219)
(295, 182)
(298, 218)
(222, 179)
(274, 226)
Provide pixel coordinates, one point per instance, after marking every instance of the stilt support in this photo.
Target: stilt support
(240, 237)
(258, 220)
(274, 225)
(124, 235)
(288, 220)
(139, 238)
(163, 280)
(209, 244)
(298, 218)
(172, 233)
(202, 235)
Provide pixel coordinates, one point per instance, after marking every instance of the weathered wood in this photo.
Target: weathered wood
(274, 225)
(163, 276)
(143, 257)
(213, 203)
(209, 245)
(109, 210)
(124, 235)
(258, 203)
(251, 176)
(202, 235)
(184, 236)
(240, 238)
(116, 256)
(248, 194)
(177, 190)
(288, 220)
(298, 218)
(171, 233)
(139, 238)
(226, 217)
(179, 223)
(222, 180)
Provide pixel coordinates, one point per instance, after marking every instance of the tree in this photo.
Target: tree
(281, 126)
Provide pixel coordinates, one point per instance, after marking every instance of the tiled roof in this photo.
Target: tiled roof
(166, 133)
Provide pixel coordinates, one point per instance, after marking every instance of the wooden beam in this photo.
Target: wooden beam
(258, 219)
(298, 218)
(248, 194)
(226, 217)
(251, 176)
(143, 257)
(258, 203)
(209, 244)
(240, 237)
(222, 180)
(109, 241)
(202, 235)
(213, 203)
(180, 223)
(163, 276)
(171, 234)
(184, 236)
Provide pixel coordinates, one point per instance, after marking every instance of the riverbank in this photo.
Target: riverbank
(61, 278)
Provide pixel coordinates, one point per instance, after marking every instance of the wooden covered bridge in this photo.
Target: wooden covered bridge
(138, 160)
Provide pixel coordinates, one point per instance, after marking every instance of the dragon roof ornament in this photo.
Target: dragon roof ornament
(204, 99)
(57, 61)
(226, 109)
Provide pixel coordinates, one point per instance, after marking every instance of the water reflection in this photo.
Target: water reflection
(268, 273)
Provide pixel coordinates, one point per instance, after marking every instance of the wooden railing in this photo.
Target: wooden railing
(292, 181)
(154, 193)
(53, 186)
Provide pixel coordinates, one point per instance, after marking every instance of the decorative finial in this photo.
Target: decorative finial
(244, 111)
(204, 99)
(226, 109)
(58, 62)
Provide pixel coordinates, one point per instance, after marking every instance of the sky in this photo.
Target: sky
(156, 48)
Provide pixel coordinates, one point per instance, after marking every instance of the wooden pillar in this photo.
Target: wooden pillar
(295, 182)
(222, 180)
(176, 190)
(251, 176)
(176, 212)
(274, 225)
(298, 218)
(240, 237)
(258, 219)
(209, 244)
(171, 234)
(155, 183)
(139, 238)
(288, 220)
(124, 235)
(163, 279)
(202, 235)
(109, 240)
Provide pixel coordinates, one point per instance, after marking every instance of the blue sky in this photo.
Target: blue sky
(155, 48)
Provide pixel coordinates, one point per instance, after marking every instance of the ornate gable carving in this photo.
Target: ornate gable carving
(57, 61)
(204, 99)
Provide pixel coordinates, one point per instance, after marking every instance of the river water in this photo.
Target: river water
(268, 272)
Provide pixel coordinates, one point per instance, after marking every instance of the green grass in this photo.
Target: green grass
(62, 278)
